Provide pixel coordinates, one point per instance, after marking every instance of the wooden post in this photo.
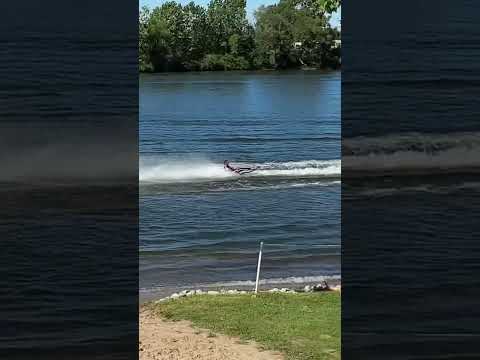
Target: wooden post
(258, 266)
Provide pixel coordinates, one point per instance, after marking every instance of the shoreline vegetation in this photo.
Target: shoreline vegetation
(298, 325)
(292, 34)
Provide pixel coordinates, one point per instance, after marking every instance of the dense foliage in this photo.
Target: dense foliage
(292, 33)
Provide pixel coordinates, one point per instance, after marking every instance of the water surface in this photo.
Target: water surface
(201, 225)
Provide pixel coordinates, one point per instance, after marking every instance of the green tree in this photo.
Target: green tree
(159, 40)
(275, 38)
(172, 16)
(328, 6)
(293, 33)
(196, 30)
(225, 18)
(144, 61)
(320, 7)
(176, 36)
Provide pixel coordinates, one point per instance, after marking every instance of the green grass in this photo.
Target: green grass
(302, 326)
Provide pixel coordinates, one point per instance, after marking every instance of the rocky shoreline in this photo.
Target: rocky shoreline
(323, 286)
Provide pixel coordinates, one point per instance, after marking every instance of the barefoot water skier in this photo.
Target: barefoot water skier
(238, 170)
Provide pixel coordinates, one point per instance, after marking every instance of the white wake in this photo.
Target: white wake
(165, 170)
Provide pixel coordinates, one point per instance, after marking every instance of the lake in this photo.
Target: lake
(201, 225)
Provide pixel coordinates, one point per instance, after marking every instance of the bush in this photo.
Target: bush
(212, 62)
(145, 66)
(232, 62)
(215, 62)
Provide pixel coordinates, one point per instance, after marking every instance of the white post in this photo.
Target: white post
(258, 266)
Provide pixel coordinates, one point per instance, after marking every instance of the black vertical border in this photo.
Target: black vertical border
(69, 179)
(410, 249)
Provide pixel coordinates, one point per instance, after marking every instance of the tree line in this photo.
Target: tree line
(292, 33)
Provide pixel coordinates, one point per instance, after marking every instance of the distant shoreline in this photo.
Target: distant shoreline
(244, 71)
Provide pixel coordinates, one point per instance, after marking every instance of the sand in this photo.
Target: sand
(161, 339)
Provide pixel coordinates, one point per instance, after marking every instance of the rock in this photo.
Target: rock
(307, 288)
(321, 287)
(211, 292)
(287, 290)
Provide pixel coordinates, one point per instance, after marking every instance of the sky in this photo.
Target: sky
(252, 5)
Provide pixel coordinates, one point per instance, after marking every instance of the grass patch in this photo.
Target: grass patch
(302, 326)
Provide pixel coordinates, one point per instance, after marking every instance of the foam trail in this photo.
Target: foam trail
(300, 168)
(164, 170)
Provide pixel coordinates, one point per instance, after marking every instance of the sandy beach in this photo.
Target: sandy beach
(161, 340)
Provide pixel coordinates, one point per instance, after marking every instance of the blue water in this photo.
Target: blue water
(201, 225)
